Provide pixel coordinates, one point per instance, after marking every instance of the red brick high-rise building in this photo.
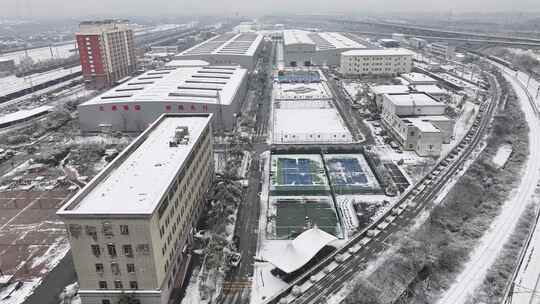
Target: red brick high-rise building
(107, 52)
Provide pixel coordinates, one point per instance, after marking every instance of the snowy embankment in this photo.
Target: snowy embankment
(492, 242)
(503, 154)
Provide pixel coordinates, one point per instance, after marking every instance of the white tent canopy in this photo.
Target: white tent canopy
(301, 250)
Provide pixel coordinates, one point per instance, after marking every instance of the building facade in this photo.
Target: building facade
(376, 62)
(130, 229)
(107, 52)
(417, 122)
(443, 50)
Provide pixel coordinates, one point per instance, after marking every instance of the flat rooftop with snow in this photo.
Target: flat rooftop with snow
(136, 180)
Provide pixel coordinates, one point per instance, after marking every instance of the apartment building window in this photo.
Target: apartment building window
(102, 284)
(96, 251)
(124, 229)
(107, 229)
(133, 285)
(131, 268)
(128, 251)
(118, 285)
(99, 268)
(115, 268)
(112, 250)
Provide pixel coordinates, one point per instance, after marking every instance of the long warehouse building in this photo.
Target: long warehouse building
(227, 49)
(131, 228)
(303, 48)
(132, 106)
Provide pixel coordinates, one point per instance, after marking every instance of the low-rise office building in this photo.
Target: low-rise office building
(376, 62)
(130, 228)
(132, 106)
(417, 122)
(443, 50)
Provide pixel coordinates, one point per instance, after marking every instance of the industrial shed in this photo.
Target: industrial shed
(132, 106)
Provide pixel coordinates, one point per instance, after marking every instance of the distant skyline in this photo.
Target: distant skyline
(80, 9)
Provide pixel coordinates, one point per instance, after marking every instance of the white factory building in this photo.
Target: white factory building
(132, 106)
(227, 49)
(376, 62)
(379, 91)
(418, 122)
(442, 50)
(303, 48)
(131, 228)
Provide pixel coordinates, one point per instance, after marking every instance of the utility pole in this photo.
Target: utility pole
(528, 80)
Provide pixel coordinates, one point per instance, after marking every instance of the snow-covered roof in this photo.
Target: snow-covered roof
(422, 124)
(321, 40)
(379, 52)
(136, 181)
(182, 84)
(414, 99)
(245, 44)
(12, 84)
(301, 250)
(390, 89)
(23, 114)
(415, 77)
(186, 63)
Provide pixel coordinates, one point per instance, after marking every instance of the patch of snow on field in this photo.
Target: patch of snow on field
(20, 295)
(54, 254)
(502, 155)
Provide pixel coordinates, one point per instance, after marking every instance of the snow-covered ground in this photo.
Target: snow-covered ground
(44, 53)
(502, 155)
(492, 242)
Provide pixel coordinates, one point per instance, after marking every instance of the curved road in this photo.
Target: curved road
(493, 241)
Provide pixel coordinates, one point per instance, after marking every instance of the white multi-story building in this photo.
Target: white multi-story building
(381, 90)
(418, 43)
(376, 62)
(417, 122)
(227, 49)
(443, 50)
(130, 228)
(188, 88)
(303, 48)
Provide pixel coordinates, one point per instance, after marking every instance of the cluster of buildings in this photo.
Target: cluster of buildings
(439, 49)
(417, 121)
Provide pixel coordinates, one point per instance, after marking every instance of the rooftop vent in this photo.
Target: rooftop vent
(181, 137)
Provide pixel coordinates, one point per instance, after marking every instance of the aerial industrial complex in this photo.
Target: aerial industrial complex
(279, 160)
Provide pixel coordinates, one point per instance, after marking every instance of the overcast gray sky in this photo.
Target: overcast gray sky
(81, 8)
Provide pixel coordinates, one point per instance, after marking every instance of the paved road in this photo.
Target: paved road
(238, 283)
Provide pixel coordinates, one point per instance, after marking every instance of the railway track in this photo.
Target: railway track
(333, 272)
